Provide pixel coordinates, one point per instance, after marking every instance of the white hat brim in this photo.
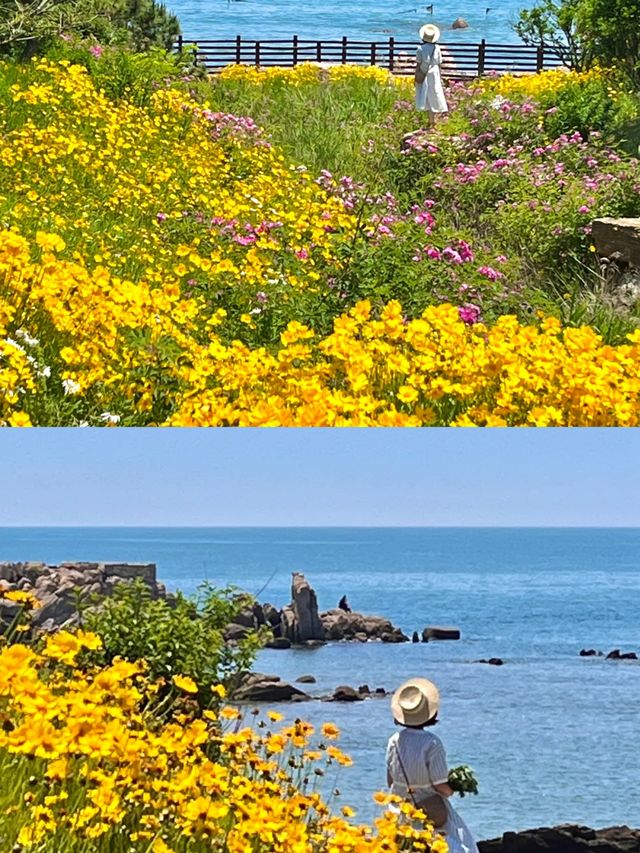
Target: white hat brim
(430, 30)
(428, 690)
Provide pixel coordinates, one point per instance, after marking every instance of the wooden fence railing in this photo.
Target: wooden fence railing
(459, 59)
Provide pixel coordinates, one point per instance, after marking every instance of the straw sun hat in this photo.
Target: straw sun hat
(429, 32)
(415, 702)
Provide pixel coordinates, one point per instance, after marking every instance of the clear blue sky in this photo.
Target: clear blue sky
(320, 477)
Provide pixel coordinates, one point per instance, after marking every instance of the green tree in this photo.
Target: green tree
(28, 27)
(554, 25)
(611, 29)
(585, 32)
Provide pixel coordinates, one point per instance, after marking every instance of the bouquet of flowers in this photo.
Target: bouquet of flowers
(463, 780)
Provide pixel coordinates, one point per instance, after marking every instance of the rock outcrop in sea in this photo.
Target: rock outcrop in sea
(300, 623)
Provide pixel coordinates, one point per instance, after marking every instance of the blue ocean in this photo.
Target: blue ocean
(332, 19)
(553, 737)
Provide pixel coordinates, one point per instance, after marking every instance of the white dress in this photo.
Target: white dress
(425, 763)
(429, 93)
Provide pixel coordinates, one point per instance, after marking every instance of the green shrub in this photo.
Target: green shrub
(178, 636)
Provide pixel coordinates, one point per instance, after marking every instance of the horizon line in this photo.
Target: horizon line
(319, 527)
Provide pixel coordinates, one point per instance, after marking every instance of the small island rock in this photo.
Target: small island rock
(437, 632)
(346, 694)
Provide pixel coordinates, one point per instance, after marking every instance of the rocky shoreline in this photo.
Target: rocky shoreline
(567, 838)
(299, 624)
(59, 588)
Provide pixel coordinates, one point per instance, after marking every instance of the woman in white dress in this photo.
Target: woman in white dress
(416, 759)
(429, 91)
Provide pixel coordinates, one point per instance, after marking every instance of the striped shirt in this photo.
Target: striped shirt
(421, 756)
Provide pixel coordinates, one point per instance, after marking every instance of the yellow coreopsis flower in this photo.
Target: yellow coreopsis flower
(185, 683)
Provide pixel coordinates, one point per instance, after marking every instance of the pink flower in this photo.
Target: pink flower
(96, 50)
(434, 254)
(583, 209)
(464, 249)
(450, 254)
(469, 313)
(490, 273)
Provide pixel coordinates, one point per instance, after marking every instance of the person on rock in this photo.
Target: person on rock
(417, 763)
(429, 91)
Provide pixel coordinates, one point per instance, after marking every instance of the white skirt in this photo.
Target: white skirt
(430, 94)
(457, 833)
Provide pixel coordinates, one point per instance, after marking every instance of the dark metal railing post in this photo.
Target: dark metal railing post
(482, 52)
(180, 44)
(540, 58)
(238, 49)
(295, 50)
(344, 50)
(318, 51)
(392, 43)
(373, 53)
(257, 57)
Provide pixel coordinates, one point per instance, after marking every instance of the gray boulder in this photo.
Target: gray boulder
(271, 614)
(344, 693)
(339, 625)
(235, 632)
(437, 632)
(246, 618)
(278, 643)
(268, 688)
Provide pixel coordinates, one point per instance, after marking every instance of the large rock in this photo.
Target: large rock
(566, 839)
(616, 654)
(344, 693)
(460, 24)
(258, 687)
(436, 632)
(617, 237)
(301, 620)
(278, 643)
(235, 632)
(340, 625)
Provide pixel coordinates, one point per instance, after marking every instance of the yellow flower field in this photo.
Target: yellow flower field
(372, 370)
(139, 244)
(92, 759)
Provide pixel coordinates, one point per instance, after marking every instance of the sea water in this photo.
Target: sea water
(360, 20)
(552, 737)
